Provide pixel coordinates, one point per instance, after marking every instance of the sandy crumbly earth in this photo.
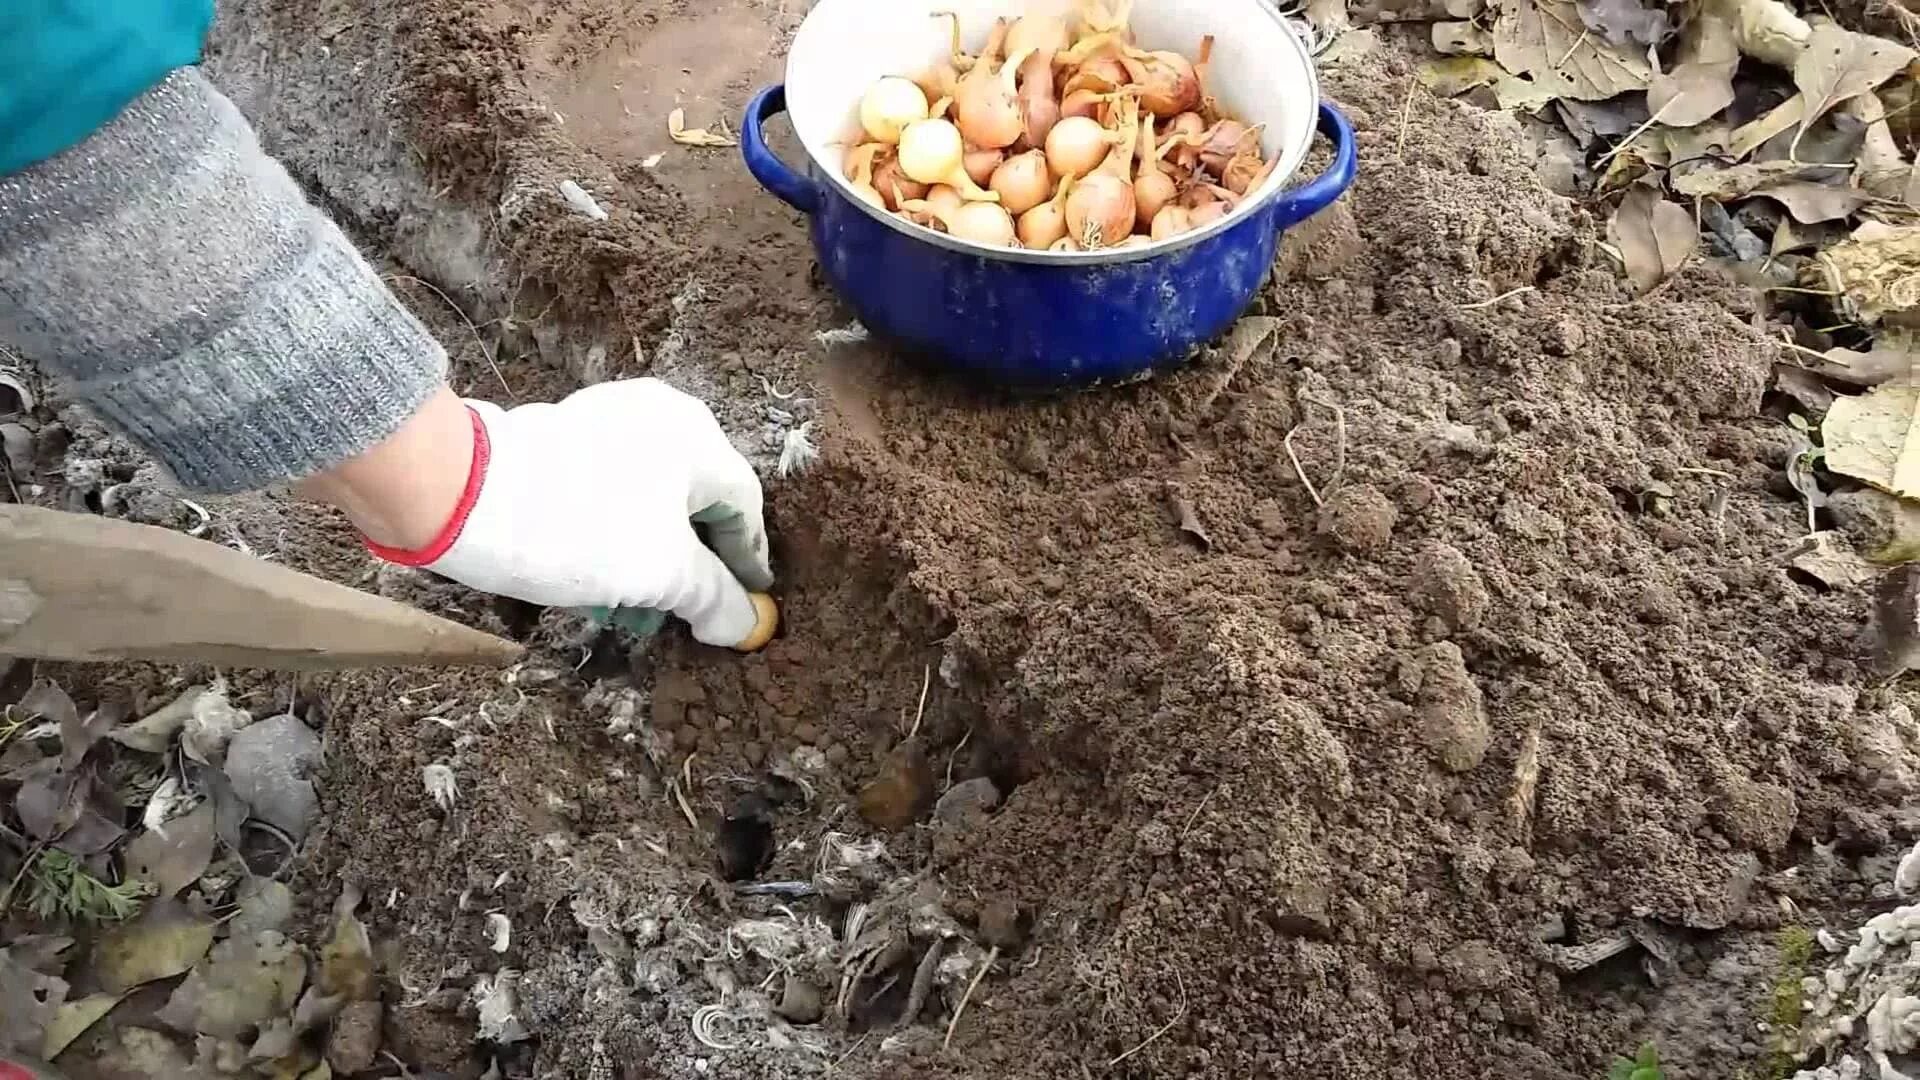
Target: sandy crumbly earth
(1297, 781)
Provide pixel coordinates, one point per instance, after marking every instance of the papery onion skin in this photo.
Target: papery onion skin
(1075, 146)
(1170, 86)
(1083, 103)
(1170, 221)
(888, 178)
(1046, 34)
(1039, 108)
(932, 152)
(1152, 191)
(1043, 226)
(982, 223)
(1222, 143)
(944, 199)
(981, 163)
(1023, 181)
(1100, 212)
(987, 105)
(890, 104)
(1186, 132)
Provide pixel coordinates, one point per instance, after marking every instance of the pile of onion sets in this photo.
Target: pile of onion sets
(1060, 135)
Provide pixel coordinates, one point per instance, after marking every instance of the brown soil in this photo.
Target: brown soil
(1291, 790)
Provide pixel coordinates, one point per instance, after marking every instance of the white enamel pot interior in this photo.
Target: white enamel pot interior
(1260, 73)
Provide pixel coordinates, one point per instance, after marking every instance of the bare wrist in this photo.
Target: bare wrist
(403, 492)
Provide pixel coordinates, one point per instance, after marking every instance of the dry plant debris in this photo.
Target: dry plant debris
(125, 834)
(679, 132)
(1763, 138)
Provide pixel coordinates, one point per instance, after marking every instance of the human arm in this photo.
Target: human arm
(177, 280)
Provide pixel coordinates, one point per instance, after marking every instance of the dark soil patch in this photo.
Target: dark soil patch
(1295, 801)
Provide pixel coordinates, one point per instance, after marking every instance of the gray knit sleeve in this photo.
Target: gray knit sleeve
(178, 281)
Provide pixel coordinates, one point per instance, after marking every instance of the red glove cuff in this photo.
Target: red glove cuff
(457, 522)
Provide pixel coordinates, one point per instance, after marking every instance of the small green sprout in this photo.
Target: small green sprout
(1642, 1066)
(58, 887)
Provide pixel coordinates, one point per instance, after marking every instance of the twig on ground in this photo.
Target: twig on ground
(993, 954)
(957, 747)
(1339, 449)
(458, 310)
(1487, 303)
(831, 1069)
(1702, 470)
(1178, 1014)
(926, 683)
(1195, 816)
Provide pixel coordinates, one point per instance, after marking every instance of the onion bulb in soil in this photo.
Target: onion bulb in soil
(981, 163)
(1075, 145)
(1046, 224)
(890, 104)
(982, 223)
(1022, 181)
(987, 105)
(931, 152)
(1152, 187)
(1101, 212)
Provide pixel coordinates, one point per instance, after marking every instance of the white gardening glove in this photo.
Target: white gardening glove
(588, 503)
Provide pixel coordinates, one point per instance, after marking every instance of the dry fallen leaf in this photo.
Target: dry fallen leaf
(1547, 40)
(164, 940)
(1874, 437)
(174, 859)
(1654, 237)
(29, 1000)
(1624, 22)
(679, 132)
(1766, 30)
(1874, 272)
(154, 733)
(242, 984)
(1812, 203)
(1707, 180)
(1829, 558)
(265, 904)
(73, 1020)
(1525, 95)
(1461, 38)
(1753, 134)
(1691, 93)
(1839, 64)
(346, 960)
(1458, 74)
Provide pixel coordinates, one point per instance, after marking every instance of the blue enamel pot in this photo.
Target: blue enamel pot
(1044, 318)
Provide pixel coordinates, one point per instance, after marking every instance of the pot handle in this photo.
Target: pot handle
(792, 188)
(1298, 204)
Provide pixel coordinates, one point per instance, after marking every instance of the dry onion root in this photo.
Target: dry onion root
(1060, 134)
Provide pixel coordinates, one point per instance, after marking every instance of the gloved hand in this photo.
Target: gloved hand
(590, 502)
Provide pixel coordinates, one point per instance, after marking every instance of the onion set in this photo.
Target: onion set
(1061, 134)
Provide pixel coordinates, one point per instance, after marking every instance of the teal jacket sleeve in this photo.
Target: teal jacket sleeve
(69, 66)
